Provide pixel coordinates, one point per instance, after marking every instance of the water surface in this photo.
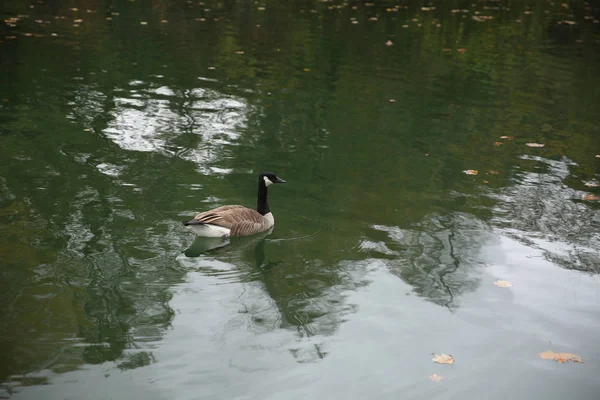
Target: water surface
(120, 119)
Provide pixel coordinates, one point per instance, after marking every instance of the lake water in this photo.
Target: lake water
(410, 134)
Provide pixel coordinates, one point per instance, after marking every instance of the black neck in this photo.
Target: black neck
(262, 206)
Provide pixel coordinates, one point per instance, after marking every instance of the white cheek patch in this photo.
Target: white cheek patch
(267, 181)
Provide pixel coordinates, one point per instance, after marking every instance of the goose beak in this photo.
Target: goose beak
(279, 180)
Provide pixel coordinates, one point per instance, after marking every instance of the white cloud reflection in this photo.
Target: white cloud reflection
(156, 120)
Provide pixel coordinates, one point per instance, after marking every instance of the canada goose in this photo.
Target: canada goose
(238, 220)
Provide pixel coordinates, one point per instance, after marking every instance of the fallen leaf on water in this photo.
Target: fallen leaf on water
(392, 100)
(87, 130)
(506, 137)
(212, 68)
(534, 144)
(435, 378)
(239, 52)
(143, 23)
(498, 143)
(560, 357)
(443, 359)
(471, 172)
(389, 43)
(491, 171)
(591, 197)
(306, 70)
(597, 155)
(502, 283)
(461, 50)
(446, 50)
(486, 182)
(373, 19)
(591, 184)
(164, 21)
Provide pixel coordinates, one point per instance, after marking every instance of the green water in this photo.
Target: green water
(120, 119)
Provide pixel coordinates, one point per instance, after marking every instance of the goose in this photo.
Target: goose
(236, 220)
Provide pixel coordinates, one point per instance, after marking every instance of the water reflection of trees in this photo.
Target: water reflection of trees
(109, 203)
(544, 209)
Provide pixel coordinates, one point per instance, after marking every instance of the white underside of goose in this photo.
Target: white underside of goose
(209, 230)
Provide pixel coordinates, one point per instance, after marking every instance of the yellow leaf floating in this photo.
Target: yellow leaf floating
(502, 283)
(534, 144)
(435, 378)
(443, 359)
(471, 172)
(560, 357)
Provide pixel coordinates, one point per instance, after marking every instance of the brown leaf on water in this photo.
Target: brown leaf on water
(560, 357)
(435, 378)
(501, 283)
(443, 359)
(507, 137)
(389, 43)
(471, 172)
(461, 50)
(534, 144)
(491, 171)
(591, 197)
(306, 70)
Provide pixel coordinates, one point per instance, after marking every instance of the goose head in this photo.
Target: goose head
(269, 178)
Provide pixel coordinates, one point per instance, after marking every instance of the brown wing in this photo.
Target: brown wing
(227, 216)
(245, 228)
